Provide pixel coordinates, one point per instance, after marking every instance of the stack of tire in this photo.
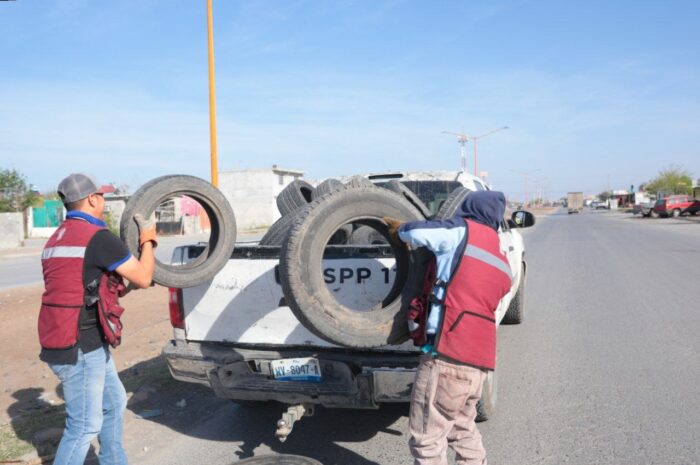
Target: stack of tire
(312, 218)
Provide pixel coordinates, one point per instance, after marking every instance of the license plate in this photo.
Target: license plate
(296, 369)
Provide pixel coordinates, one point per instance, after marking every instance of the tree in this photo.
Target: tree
(672, 180)
(604, 196)
(16, 194)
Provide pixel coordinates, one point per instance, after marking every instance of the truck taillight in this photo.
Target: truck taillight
(177, 319)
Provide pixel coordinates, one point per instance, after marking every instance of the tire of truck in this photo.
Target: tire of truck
(399, 188)
(326, 187)
(514, 314)
(284, 459)
(367, 235)
(358, 181)
(486, 407)
(222, 237)
(451, 205)
(301, 276)
(297, 194)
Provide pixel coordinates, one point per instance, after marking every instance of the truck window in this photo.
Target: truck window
(431, 193)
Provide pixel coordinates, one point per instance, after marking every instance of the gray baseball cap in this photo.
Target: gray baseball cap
(77, 186)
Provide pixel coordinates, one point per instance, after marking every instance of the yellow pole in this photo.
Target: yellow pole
(212, 98)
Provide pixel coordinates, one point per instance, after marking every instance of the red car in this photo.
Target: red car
(675, 205)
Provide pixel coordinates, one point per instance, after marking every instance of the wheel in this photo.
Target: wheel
(284, 459)
(486, 407)
(367, 235)
(277, 233)
(221, 239)
(451, 205)
(359, 181)
(646, 215)
(399, 188)
(301, 276)
(676, 213)
(514, 314)
(326, 187)
(297, 194)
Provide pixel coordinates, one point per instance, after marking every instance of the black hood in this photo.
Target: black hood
(485, 207)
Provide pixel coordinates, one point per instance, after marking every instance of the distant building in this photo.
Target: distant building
(253, 194)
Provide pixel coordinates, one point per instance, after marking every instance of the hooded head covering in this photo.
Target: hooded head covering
(485, 207)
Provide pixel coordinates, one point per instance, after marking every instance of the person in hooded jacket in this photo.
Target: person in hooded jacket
(472, 275)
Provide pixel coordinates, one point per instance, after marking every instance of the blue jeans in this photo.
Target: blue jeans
(95, 403)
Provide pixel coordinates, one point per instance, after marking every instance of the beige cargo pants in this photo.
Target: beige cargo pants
(443, 409)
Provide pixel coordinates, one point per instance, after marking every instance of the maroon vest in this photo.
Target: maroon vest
(62, 262)
(467, 332)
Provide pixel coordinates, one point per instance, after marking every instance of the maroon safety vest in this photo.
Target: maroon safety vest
(467, 332)
(62, 262)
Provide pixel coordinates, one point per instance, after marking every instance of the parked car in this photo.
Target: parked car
(674, 205)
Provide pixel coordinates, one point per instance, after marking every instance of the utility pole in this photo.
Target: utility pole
(212, 98)
(525, 175)
(463, 138)
(475, 139)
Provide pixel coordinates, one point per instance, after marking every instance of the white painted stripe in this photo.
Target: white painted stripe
(63, 252)
(480, 254)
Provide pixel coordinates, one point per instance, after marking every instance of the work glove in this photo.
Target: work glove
(394, 226)
(147, 229)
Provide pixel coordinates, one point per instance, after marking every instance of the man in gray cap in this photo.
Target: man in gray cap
(83, 265)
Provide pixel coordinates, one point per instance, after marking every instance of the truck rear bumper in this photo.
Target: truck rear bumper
(351, 379)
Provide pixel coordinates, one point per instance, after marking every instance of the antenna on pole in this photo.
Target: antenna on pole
(462, 140)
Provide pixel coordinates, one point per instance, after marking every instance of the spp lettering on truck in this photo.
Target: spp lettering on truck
(359, 275)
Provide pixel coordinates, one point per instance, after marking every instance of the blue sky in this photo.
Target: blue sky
(595, 93)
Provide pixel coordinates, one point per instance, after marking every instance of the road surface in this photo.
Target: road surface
(22, 266)
(604, 370)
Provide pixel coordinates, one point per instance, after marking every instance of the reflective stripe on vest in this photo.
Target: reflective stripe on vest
(487, 257)
(63, 252)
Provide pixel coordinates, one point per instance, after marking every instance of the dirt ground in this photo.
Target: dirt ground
(31, 407)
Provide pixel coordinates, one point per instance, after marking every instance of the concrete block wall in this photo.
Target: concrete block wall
(11, 230)
(252, 194)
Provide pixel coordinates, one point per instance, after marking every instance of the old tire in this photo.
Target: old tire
(277, 233)
(221, 239)
(399, 188)
(367, 235)
(284, 459)
(297, 194)
(514, 314)
(326, 187)
(486, 407)
(303, 285)
(450, 206)
(358, 181)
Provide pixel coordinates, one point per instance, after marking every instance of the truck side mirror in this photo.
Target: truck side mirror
(523, 219)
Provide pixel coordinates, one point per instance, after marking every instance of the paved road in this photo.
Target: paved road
(22, 266)
(603, 371)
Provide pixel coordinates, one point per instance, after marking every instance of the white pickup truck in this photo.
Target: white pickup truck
(236, 334)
